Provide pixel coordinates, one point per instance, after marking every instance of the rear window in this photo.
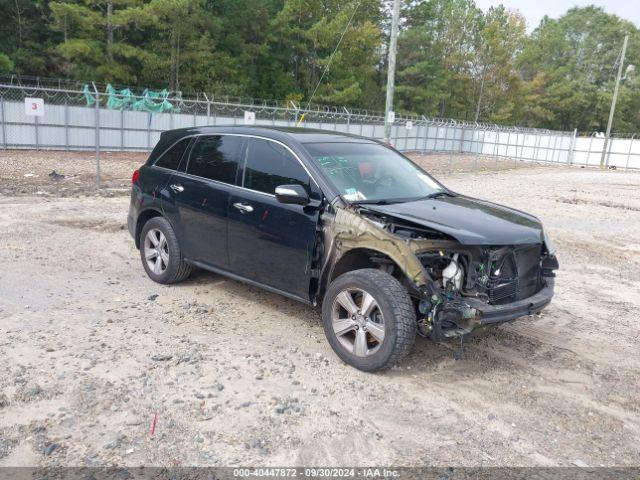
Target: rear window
(216, 157)
(171, 158)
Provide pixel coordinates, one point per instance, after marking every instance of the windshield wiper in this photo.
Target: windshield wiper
(377, 202)
(402, 200)
(443, 193)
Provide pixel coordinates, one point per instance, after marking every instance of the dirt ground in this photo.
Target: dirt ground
(92, 350)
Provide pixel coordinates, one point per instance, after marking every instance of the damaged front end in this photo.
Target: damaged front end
(456, 287)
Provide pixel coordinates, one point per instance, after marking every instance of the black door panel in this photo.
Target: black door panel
(273, 243)
(200, 197)
(270, 242)
(201, 211)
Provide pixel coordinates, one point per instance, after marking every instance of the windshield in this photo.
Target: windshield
(369, 173)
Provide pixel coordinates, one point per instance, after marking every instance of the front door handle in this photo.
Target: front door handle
(177, 188)
(243, 207)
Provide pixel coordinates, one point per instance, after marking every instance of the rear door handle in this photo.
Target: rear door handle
(177, 188)
(243, 207)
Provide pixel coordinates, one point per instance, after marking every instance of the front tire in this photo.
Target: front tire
(369, 319)
(160, 252)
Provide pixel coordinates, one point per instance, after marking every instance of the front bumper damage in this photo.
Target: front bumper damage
(493, 314)
(445, 315)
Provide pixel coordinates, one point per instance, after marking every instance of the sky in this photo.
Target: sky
(534, 10)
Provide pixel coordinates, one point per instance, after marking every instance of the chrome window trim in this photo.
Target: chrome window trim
(229, 184)
(169, 148)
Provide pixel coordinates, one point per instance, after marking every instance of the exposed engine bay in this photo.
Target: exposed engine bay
(492, 275)
(456, 287)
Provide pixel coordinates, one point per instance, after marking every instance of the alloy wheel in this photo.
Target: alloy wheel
(156, 251)
(358, 322)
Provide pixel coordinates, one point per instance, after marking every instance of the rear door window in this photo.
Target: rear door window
(216, 157)
(172, 157)
(269, 165)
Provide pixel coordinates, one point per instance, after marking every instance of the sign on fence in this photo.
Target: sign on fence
(34, 107)
(249, 118)
(409, 125)
(391, 116)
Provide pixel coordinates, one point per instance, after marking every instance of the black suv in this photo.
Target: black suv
(342, 221)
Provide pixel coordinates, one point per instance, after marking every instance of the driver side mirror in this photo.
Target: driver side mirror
(292, 195)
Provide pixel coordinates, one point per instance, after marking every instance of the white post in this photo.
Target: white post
(391, 69)
(604, 160)
(97, 136)
(572, 146)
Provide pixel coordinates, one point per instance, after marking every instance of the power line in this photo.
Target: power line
(326, 68)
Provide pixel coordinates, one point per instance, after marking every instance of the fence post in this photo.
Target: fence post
(426, 135)
(406, 137)
(348, 120)
(626, 166)
(215, 115)
(121, 129)
(610, 146)
(66, 123)
(35, 120)
(475, 139)
(4, 125)
(451, 150)
(572, 147)
(149, 132)
(97, 137)
(480, 147)
(496, 145)
(208, 108)
(589, 152)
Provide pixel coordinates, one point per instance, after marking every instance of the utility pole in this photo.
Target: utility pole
(603, 159)
(391, 70)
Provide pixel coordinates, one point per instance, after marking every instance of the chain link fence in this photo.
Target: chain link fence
(82, 117)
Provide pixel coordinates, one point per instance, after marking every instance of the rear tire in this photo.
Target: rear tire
(369, 319)
(160, 252)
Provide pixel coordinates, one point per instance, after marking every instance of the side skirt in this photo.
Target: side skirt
(233, 276)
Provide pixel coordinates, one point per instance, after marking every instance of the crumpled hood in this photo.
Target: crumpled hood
(468, 220)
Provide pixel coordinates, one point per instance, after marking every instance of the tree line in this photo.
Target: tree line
(454, 60)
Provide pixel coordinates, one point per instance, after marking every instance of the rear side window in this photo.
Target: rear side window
(216, 157)
(269, 165)
(171, 158)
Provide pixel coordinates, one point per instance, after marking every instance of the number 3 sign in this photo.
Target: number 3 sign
(34, 107)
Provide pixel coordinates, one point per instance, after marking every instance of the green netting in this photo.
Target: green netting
(125, 99)
(119, 99)
(91, 101)
(154, 102)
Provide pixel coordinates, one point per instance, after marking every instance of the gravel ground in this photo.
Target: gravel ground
(93, 351)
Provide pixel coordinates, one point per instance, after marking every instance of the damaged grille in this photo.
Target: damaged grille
(515, 274)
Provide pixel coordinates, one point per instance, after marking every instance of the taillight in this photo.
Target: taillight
(135, 177)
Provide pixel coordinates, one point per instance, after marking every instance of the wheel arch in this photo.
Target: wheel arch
(362, 257)
(143, 218)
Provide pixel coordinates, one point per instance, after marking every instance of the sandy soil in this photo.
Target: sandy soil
(92, 350)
